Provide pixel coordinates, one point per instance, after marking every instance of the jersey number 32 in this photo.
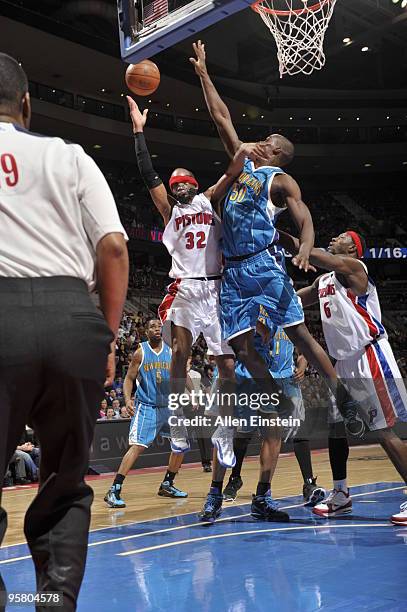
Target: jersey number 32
(197, 240)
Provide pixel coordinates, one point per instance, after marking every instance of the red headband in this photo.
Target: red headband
(357, 241)
(183, 179)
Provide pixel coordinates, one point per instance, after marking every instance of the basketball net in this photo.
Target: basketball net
(299, 32)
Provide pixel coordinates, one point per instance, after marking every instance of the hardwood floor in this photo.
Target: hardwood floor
(366, 465)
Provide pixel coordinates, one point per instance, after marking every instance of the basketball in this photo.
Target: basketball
(144, 78)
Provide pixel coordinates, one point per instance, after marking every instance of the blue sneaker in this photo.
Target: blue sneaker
(212, 507)
(167, 489)
(112, 497)
(264, 508)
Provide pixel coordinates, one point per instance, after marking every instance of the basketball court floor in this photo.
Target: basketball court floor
(155, 555)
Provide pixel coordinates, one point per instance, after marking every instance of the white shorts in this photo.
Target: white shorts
(373, 378)
(194, 304)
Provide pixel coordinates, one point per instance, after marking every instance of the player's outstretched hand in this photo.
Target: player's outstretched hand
(111, 365)
(301, 260)
(199, 62)
(255, 151)
(130, 408)
(299, 374)
(138, 118)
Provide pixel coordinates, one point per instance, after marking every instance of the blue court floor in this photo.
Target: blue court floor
(356, 562)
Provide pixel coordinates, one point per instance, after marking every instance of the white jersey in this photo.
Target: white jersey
(349, 322)
(192, 237)
(55, 206)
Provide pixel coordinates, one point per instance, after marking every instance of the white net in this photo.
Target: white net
(298, 27)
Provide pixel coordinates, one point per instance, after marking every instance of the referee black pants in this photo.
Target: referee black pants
(53, 352)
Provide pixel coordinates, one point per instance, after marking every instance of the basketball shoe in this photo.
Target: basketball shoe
(264, 508)
(401, 517)
(212, 507)
(222, 439)
(354, 424)
(167, 489)
(112, 497)
(312, 493)
(337, 503)
(231, 489)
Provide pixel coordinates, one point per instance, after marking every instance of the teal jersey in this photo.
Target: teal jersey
(153, 379)
(282, 355)
(248, 224)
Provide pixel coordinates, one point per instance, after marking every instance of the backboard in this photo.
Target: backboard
(147, 27)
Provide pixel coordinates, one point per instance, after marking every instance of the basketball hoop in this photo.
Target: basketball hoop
(299, 32)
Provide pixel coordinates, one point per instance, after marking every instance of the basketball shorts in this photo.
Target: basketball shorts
(194, 304)
(257, 281)
(373, 378)
(147, 422)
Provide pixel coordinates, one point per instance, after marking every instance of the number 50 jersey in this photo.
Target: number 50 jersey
(192, 237)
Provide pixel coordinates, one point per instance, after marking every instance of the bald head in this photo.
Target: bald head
(283, 149)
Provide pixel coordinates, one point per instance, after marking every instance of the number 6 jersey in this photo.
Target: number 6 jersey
(349, 322)
(192, 237)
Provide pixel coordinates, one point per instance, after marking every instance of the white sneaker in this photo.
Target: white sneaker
(337, 502)
(222, 439)
(401, 517)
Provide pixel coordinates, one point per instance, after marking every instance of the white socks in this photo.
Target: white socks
(341, 485)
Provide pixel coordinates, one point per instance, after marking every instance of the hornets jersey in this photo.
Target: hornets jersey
(153, 380)
(249, 214)
(282, 355)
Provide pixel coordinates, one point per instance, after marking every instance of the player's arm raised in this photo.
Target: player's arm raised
(301, 215)
(128, 383)
(341, 264)
(217, 108)
(150, 177)
(309, 295)
(253, 150)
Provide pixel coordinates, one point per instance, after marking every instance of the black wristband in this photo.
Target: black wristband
(148, 174)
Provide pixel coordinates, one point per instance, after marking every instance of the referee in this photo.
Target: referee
(60, 237)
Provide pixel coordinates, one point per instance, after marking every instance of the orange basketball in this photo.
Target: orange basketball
(143, 78)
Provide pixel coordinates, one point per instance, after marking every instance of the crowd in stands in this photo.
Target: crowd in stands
(328, 218)
(132, 332)
(24, 465)
(386, 205)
